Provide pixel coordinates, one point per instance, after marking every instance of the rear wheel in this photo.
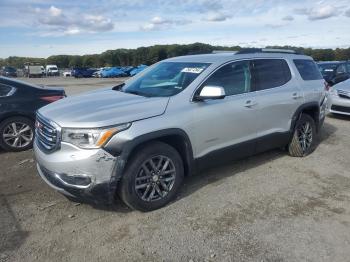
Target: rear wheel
(304, 136)
(152, 177)
(16, 134)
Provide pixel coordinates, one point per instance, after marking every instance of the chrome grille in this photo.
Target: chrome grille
(47, 134)
(343, 94)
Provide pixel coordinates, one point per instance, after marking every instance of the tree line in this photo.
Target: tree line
(153, 54)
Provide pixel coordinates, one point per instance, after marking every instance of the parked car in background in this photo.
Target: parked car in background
(79, 72)
(98, 73)
(127, 69)
(8, 71)
(19, 102)
(335, 72)
(33, 70)
(52, 70)
(67, 73)
(113, 72)
(339, 98)
(137, 70)
(139, 139)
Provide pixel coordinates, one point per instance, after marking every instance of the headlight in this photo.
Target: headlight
(91, 138)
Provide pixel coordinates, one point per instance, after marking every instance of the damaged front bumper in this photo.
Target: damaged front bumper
(87, 175)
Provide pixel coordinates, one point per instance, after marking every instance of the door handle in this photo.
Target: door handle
(296, 96)
(250, 103)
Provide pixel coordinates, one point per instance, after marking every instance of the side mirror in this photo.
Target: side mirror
(210, 92)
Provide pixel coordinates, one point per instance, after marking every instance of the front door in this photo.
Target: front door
(227, 127)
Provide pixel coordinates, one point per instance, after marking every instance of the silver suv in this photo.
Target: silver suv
(138, 140)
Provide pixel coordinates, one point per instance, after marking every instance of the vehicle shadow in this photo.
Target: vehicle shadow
(11, 234)
(326, 133)
(215, 174)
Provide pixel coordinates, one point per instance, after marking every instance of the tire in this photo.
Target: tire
(144, 188)
(304, 137)
(24, 134)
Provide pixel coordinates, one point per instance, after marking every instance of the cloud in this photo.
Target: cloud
(322, 12)
(288, 18)
(301, 11)
(217, 17)
(61, 23)
(157, 20)
(347, 13)
(275, 25)
(159, 23)
(54, 11)
(318, 12)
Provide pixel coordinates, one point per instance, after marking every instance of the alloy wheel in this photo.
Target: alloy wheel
(155, 178)
(304, 133)
(17, 135)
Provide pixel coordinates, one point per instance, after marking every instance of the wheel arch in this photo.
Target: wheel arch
(6, 116)
(175, 137)
(312, 109)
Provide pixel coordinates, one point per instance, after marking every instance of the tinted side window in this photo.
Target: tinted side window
(307, 69)
(341, 69)
(234, 78)
(4, 90)
(270, 73)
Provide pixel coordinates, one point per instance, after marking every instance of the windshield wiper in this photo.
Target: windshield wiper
(118, 87)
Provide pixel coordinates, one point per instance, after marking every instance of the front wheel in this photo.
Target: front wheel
(16, 134)
(304, 136)
(152, 178)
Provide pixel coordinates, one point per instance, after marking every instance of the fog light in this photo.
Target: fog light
(76, 180)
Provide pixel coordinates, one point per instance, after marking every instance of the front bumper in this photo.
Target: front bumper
(83, 174)
(339, 105)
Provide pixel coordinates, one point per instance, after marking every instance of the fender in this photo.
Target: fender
(6, 115)
(303, 107)
(124, 151)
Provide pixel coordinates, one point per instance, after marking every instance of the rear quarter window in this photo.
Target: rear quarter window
(270, 73)
(308, 69)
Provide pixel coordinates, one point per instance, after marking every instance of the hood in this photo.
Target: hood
(104, 108)
(345, 85)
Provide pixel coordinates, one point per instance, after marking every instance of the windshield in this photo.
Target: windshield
(10, 69)
(328, 68)
(165, 79)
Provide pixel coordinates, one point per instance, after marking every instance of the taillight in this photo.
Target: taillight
(51, 99)
(326, 86)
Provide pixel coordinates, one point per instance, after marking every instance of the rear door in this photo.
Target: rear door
(278, 96)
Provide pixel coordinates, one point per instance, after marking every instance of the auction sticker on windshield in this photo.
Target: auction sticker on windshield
(193, 70)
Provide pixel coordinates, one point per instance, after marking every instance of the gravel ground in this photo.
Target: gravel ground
(270, 207)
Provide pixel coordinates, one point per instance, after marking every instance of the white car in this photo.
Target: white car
(339, 98)
(67, 73)
(52, 70)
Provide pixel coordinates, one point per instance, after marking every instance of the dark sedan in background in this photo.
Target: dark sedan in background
(335, 72)
(18, 104)
(8, 71)
(78, 72)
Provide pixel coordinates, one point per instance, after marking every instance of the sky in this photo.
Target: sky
(40, 28)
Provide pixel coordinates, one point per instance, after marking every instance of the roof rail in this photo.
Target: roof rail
(267, 50)
(224, 52)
